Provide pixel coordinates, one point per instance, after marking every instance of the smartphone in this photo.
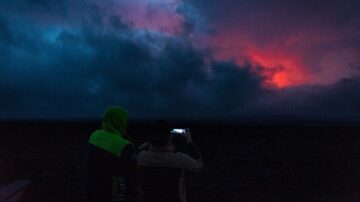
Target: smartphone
(179, 131)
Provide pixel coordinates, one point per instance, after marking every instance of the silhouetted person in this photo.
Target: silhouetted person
(111, 160)
(162, 169)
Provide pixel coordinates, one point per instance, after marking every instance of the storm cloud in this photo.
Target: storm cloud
(77, 73)
(71, 59)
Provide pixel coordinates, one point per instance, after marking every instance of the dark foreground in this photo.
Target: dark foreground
(245, 162)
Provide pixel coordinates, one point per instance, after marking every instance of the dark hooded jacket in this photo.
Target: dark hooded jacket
(111, 160)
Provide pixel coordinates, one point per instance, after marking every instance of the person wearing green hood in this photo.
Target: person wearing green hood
(111, 159)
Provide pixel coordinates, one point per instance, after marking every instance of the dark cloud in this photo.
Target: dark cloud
(53, 68)
(77, 73)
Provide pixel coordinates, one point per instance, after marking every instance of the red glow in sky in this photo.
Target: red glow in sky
(305, 45)
(282, 68)
(287, 71)
(293, 49)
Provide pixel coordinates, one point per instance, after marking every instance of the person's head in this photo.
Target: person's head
(115, 121)
(160, 133)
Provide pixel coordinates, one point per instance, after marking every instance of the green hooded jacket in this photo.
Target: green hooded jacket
(111, 137)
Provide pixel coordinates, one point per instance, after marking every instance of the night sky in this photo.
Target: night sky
(181, 59)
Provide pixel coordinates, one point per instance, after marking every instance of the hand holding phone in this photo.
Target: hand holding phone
(188, 135)
(185, 132)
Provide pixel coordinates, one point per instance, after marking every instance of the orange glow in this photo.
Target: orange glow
(286, 71)
(283, 67)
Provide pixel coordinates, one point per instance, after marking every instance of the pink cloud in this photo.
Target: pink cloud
(153, 15)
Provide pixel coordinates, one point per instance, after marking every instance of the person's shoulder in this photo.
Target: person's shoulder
(144, 153)
(97, 131)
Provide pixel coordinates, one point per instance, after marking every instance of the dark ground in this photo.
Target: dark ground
(244, 162)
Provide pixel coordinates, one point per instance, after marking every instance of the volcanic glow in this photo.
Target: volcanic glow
(281, 67)
(289, 55)
(286, 70)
